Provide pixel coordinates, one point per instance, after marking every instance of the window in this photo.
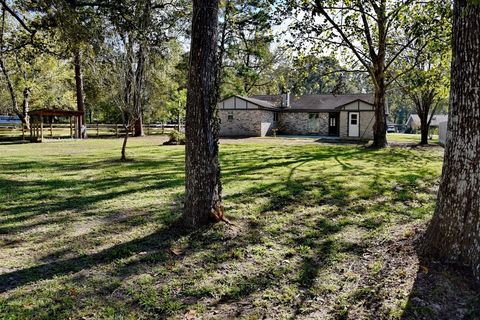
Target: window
(230, 116)
(275, 117)
(353, 119)
(333, 122)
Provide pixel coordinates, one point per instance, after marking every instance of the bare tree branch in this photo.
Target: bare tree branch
(16, 16)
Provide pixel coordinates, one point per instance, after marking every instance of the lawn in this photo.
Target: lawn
(409, 138)
(321, 231)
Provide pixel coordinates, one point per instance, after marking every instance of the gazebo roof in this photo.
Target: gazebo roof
(55, 112)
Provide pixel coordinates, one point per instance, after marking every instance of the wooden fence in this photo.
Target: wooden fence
(61, 130)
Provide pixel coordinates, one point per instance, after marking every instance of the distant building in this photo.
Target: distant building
(413, 122)
(345, 116)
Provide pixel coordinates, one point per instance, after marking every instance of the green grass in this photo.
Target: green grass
(83, 235)
(409, 138)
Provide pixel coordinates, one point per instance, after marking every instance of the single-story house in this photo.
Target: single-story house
(413, 122)
(348, 116)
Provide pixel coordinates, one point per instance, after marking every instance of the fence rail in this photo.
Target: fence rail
(60, 130)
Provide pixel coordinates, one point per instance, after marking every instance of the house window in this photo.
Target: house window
(313, 116)
(353, 119)
(333, 122)
(275, 117)
(230, 116)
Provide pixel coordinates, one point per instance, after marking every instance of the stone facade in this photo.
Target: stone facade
(243, 116)
(303, 123)
(254, 123)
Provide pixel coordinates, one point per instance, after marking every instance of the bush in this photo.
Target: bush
(175, 138)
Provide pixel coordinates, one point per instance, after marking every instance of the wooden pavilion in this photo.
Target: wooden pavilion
(37, 121)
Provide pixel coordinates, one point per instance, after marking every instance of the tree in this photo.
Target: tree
(312, 74)
(78, 29)
(23, 112)
(426, 86)
(202, 167)
(454, 232)
(245, 38)
(30, 69)
(371, 31)
(427, 82)
(166, 92)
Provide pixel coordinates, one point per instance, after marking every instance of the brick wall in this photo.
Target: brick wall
(254, 123)
(259, 123)
(299, 123)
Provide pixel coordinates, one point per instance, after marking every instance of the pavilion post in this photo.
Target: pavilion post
(116, 130)
(41, 127)
(75, 127)
(51, 129)
(71, 129)
(80, 127)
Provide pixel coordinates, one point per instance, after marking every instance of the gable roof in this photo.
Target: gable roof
(414, 120)
(258, 102)
(315, 102)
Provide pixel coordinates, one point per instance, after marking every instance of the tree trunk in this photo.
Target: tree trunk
(424, 134)
(454, 233)
(138, 91)
(380, 126)
(79, 92)
(124, 145)
(202, 176)
(26, 108)
(423, 126)
(24, 117)
(139, 127)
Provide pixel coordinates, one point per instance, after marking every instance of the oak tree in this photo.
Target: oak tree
(454, 233)
(371, 32)
(202, 167)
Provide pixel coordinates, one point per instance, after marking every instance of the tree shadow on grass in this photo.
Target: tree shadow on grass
(285, 244)
(159, 241)
(442, 291)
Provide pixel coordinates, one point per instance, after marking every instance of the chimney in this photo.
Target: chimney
(286, 99)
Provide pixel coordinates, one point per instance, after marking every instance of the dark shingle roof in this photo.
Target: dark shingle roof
(315, 102)
(259, 102)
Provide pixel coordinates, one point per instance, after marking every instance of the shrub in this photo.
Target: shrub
(175, 138)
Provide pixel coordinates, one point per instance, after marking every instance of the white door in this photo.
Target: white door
(353, 124)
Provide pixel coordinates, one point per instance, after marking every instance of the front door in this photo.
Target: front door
(353, 124)
(333, 127)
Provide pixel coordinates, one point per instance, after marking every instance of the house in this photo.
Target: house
(345, 116)
(413, 122)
